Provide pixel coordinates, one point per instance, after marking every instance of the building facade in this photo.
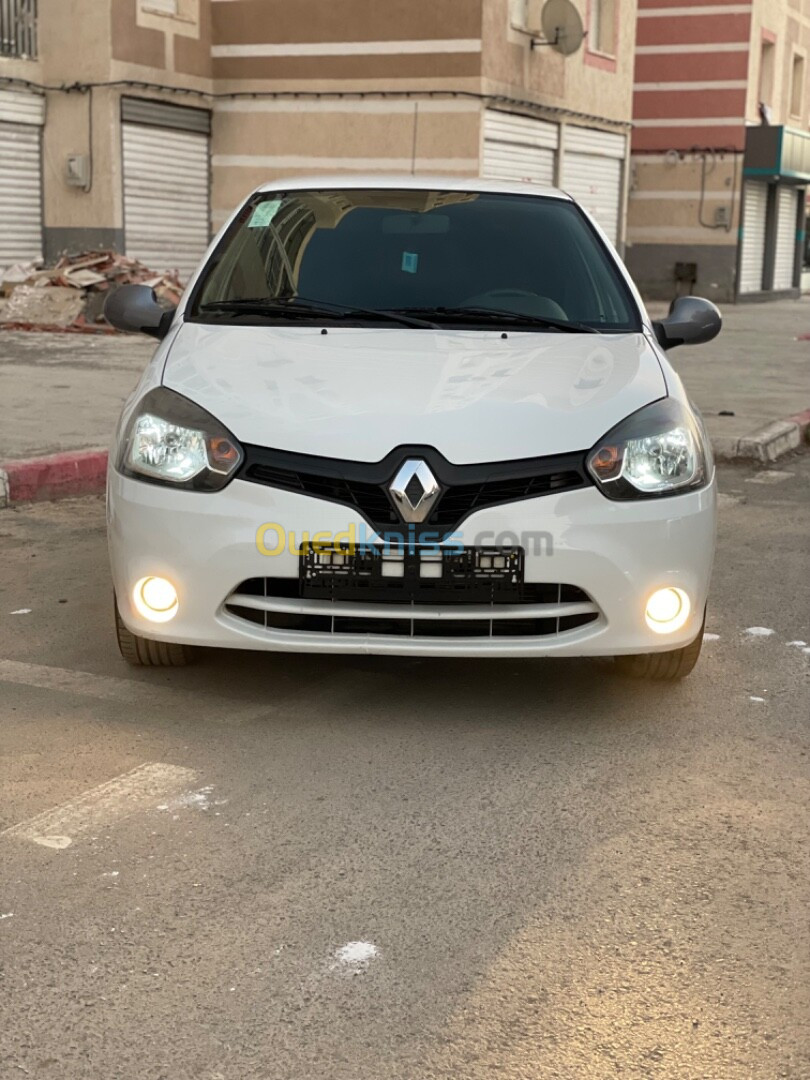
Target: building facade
(141, 124)
(720, 148)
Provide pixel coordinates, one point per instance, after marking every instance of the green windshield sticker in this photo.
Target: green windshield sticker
(410, 262)
(264, 214)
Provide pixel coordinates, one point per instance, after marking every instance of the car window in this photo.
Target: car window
(403, 250)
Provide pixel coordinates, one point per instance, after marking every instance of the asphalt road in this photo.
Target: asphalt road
(309, 868)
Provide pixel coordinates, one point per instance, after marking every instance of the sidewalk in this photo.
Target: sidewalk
(62, 393)
(755, 369)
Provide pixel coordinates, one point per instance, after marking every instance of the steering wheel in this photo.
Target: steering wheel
(496, 294)
(536, 305)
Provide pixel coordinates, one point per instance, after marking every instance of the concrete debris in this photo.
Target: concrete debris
(70, 296)
(15, 275)
(40, 307)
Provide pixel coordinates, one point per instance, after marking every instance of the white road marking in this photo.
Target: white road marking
(6, 914)
(797, 644)
(111, 688)
(769, 476)
(200, 799)
(74, 682)
(355, 956)
(752, 698)
(22, 611)
(759, 631)
(101, 806)
(711, 637)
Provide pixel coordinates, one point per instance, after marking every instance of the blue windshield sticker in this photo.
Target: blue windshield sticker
(410, 262)
(264, 214)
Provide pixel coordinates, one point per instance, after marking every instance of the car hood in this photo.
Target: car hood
(357, 393)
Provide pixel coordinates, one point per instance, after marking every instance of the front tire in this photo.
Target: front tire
(142, 652)
(664, 666)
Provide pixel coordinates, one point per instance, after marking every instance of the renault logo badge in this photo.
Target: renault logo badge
(414, 490)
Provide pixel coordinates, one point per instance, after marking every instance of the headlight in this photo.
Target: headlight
(170, 440)
(660, 450)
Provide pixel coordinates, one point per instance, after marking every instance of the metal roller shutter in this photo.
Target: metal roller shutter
(592, 166)
(755, 214)
(785, 260)
(21, 119)
(164, 115)
(166, 196)
(519, 148)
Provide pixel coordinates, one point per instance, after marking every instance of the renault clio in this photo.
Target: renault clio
(412, 416)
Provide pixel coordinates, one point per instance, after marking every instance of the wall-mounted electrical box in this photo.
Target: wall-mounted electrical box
(77, 171)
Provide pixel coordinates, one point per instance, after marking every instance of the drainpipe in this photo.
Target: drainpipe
(559, 164)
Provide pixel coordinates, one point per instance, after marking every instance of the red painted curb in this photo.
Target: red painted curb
(77, 472)
(803, 420)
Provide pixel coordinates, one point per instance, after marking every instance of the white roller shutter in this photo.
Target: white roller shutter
(785, 238)
(21, 119)
(592, 166)
(166, 215)
(755, 214)
(519, 148)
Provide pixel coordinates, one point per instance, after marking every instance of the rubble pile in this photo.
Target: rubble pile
(70, 295)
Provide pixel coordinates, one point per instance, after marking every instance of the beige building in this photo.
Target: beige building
(721, 148)
(141, 124)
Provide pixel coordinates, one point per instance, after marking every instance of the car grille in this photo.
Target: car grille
(464, 601)
(464, 488)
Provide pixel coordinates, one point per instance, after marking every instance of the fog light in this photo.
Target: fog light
(667, 610)
(155, 598)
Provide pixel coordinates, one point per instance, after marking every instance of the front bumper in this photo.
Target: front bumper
(618, 553)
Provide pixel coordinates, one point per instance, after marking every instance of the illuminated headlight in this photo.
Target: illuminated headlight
(659, 450)
(171, 440)
(159, 448)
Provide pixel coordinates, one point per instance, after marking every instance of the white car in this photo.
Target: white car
(412, 416)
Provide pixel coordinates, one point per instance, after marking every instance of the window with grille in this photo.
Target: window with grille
(797, 86)
(18, 28)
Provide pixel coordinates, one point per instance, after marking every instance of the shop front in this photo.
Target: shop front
(776, 174)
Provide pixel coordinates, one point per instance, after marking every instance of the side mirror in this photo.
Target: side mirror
(691, 321)
(135, 309)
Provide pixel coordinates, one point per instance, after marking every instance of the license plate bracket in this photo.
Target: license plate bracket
(415, 575)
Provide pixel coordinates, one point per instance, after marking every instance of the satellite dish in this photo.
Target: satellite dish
(562, 27)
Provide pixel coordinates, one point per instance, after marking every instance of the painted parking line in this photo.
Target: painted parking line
(129, 691)
(769, 476)
(100, 807)
(75, 682)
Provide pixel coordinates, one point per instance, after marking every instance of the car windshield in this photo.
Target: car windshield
(419, 258)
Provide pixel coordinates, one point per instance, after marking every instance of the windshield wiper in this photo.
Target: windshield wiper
(501, 315)
(301, 307)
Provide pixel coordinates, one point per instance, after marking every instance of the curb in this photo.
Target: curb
(767, 444)
(57, 476)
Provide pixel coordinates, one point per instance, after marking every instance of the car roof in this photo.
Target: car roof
(407, 181)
